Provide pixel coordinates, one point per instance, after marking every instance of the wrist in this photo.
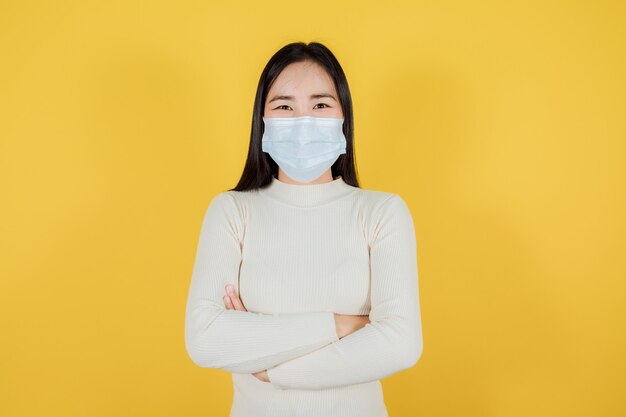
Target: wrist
(339, 326)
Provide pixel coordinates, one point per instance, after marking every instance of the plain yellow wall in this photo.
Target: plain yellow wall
(502, 124)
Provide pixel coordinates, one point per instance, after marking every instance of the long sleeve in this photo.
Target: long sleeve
(392, 341)
(240, 341)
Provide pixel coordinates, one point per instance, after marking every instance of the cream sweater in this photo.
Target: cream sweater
(297, 254)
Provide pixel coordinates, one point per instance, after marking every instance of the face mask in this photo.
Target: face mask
(304, 147)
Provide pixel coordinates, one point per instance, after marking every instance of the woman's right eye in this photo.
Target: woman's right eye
(284, 105)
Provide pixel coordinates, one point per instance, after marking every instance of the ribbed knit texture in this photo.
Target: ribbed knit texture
(298, 254)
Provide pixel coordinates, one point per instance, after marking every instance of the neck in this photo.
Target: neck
(307, 195)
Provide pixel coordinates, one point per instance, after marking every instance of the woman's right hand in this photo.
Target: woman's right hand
(346, 323)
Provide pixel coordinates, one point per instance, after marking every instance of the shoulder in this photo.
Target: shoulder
(378, 202)
(227, 200)
(382, 213)
(235, 200)
(227, 208)
(225, 212)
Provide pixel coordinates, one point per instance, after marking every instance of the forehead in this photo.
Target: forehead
(302, 78)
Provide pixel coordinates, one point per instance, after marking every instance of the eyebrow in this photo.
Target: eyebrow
(312, 96)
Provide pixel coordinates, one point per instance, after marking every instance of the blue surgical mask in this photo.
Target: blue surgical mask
(304, 147)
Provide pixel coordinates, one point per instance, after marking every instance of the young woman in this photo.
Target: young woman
(304, 285)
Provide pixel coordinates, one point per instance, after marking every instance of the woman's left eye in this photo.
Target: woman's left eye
(323, 104)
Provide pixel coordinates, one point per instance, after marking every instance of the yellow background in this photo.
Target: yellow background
(502, 124)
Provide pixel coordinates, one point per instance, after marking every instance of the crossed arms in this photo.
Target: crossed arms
(304, 350)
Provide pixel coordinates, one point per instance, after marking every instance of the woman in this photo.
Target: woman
(304, 285)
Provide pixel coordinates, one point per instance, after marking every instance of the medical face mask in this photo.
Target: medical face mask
(304, 147)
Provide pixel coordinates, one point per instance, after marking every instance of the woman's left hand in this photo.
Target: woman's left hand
(262, 376)
(233, 302)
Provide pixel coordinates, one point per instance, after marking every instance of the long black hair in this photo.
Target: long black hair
(260, 167)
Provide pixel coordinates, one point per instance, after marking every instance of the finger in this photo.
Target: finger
(234, 297)
(228, 303)
(237, 303)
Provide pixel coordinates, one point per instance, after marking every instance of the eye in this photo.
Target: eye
(283, 105)
(323, 104)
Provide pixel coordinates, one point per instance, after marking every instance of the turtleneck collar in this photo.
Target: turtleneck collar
(307, 195)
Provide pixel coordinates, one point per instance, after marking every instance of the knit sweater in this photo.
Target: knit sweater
(297, 254)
